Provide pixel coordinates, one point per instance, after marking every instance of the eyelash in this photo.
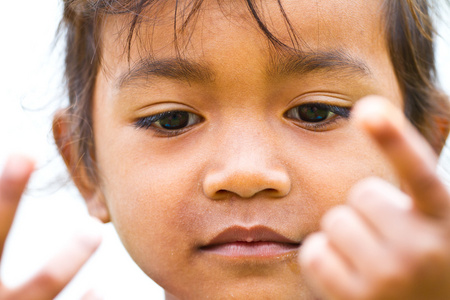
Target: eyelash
(151, 122)
(338, 112)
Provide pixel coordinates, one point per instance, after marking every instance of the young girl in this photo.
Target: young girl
(236, 148)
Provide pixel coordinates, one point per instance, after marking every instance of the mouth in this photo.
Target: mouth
(254, 242)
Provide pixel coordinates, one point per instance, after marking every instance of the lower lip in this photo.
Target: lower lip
(252, 249)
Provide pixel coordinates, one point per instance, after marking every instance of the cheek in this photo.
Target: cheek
(153, 199)
(325, 168)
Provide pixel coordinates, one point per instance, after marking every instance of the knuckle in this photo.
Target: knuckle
(366, 187)
(367, 192)
(335, 219)
(370, 184)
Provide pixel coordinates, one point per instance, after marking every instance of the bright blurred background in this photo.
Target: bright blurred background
(52, 211)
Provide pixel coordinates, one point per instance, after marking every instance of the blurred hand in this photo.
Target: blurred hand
(57, 273)
(386, 243)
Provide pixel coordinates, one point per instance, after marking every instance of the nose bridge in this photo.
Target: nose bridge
(247, 164)
(251, 149)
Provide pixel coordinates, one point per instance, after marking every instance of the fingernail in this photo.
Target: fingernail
(375, 112)
(312, 247)
(370, 111)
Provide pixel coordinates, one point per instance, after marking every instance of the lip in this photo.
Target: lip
(251, 242)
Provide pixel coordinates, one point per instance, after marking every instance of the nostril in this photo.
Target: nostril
(272, 192)
(222, 194)
(246, 184)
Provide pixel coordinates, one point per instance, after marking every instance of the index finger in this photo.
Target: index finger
(13, 180)
(411, 156)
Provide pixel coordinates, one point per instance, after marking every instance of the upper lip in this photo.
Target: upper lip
(257, 233)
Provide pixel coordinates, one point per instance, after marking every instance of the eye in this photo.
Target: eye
(169, 122)
(317, 114)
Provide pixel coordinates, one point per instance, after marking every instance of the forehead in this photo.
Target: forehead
(178, 27)
(225, 39)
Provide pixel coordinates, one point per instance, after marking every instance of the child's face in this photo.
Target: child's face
(239, 156)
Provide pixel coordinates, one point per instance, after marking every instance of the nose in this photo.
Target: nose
(246, 183)
(244, 169)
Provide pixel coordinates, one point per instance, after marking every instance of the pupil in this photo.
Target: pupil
(311, 113)
(175, 120)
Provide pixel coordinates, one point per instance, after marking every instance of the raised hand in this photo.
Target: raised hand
(61, 269)
(386, 243)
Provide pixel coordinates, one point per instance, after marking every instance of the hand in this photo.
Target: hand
(384, 243)
(62, 268)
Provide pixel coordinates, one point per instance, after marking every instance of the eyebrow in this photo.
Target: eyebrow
(300, 63)
(280, 65)
(172, 68)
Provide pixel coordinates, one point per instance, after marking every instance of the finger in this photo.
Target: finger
(91, 295)
(325, 270)
(385, 208)
(353, 238)
(409, 153)
(13, 180)
(388, 211)
(60, 270)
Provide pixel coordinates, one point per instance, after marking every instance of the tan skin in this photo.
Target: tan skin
(247, 158)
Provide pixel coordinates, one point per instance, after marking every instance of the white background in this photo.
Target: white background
(30, 91)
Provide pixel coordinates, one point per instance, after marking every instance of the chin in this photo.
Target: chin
(244, 287)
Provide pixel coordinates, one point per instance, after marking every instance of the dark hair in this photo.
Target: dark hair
(409, 34)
